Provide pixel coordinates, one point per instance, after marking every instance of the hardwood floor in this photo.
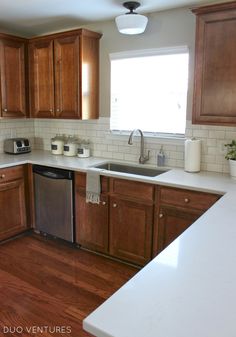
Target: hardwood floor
(48, 285)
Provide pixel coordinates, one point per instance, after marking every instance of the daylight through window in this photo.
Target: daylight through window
(149, 90)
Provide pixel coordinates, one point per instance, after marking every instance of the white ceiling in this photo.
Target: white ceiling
(33, 17)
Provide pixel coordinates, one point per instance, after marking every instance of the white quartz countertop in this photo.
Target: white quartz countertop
(203, 181)
(187, 290)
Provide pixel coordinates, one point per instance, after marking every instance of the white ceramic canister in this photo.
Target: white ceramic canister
(84, 149)
(57, 145)
(70, 147)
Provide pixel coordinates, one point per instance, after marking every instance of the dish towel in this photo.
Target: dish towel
(93, 186)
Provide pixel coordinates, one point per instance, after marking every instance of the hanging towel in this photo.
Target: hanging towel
(93, 186)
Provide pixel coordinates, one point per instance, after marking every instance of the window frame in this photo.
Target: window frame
(151, 52)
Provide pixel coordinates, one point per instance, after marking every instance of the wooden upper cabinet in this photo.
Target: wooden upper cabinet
(41, 79)
(67, 77)
(64, 75)
(89, 68)
(215, 65)
(12, 73)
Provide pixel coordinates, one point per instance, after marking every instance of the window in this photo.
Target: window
(149, 90)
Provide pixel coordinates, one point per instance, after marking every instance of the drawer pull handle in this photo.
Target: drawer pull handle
(104, 203)
(186, 200)
(3, 176)
(161, 215)
(114, 205)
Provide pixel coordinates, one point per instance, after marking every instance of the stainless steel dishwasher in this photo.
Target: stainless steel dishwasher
(54, 201)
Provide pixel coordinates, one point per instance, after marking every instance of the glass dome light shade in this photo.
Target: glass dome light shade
(131, 24)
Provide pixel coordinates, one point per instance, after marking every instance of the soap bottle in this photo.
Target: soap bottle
(161, 157)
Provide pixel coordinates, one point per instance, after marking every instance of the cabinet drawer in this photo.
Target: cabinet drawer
(11, 173)
(134, 189)
(80, 181)
(186, 198)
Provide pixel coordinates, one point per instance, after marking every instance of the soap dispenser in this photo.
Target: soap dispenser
(161, 157)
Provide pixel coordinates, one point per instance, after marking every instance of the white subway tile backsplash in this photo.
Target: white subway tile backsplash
(118, 156)
(200, 133)
(214, 167)
(217, 134)
(212, 150)
(114, 146)
(131, 157)
(230, 134)
(16, 128)
(211, 142)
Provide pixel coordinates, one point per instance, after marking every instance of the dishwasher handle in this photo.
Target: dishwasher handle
(52, 173)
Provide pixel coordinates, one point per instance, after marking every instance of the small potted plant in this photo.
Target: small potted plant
(231, 157)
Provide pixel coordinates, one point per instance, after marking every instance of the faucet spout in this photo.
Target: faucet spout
(142, 158)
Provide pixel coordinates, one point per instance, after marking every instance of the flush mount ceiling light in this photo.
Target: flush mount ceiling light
(131, 23)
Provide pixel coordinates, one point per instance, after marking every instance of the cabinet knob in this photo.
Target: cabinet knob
(114, 205)
(186, 200)
(161, 215)
(2, 176)
(5, 110)
(51, 110)
(104, 203)
(58, 110)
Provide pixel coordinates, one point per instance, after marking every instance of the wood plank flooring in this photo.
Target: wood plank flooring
(47, 288)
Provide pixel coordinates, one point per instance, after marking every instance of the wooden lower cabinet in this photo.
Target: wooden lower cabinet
(121, 225)
(12, 201)
(171, 223)
(134, 220)
(176, 209)
(130, 230)
(91, 222)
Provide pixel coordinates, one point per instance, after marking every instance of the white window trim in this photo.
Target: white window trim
(165, 139)
(149, 52)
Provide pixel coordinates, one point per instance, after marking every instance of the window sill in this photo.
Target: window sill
(152, 136)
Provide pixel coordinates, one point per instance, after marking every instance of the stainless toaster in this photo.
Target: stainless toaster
(16, 145)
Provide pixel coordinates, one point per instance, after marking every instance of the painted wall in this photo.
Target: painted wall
(165, 29)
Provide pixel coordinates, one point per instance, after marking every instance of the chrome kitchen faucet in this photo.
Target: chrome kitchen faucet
(142, 158)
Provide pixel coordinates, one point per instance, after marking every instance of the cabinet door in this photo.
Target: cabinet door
(90, 77)
(215, 65)
(130, 230)
(66, 59)
(12, 65)
(91, 222)
(41, 79)
(169, 224)
(12, 212)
